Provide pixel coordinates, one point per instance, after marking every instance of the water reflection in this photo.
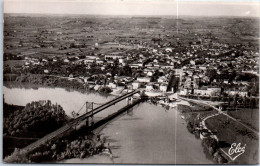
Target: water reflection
(130, 112)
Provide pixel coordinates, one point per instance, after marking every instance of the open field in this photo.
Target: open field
(229, 132)
(55, 34)
(13, 63)
(248, 116)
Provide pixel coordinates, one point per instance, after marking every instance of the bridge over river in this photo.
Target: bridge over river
(81, 119)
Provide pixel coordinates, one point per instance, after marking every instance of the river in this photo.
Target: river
(147, 134)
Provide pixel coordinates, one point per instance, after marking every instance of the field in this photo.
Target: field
(13, 63)
(229, 132)
(248, 116)
(48, 35)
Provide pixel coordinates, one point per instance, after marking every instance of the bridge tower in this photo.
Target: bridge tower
(89, 108)
(130, 100)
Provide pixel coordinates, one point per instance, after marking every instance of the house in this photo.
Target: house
(86, 79)
(184, 92)
(136, 85)
(46, 71)
(192, 62)
(240, 93)
(113, 56)
(168, 66)
(100, 62)
(137, 65)
(112, 85)
(202, 91)
(143, 79)
(149, 73)
(214, 91)
(163, 87)
(168, 50)
(121, 60)
(44, 60)
(92, 57)
(149, 87)
(225, 81)
(86, 61)
(27, 63)
(66, 60)
(35, 62)
(155, 61)
(204, 134)
(162, 79)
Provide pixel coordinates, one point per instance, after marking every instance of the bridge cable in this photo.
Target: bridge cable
(79, 110)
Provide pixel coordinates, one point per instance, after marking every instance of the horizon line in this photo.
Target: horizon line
(133, 15)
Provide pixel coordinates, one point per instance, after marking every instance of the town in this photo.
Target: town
(204, 66)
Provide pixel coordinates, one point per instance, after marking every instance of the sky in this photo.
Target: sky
(136, 7)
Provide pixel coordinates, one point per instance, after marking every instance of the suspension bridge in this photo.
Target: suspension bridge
(86, 116)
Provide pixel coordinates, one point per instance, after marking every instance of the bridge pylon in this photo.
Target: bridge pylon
(90, 119)
(130, 100)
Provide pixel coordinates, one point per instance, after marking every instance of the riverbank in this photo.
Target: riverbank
(54, 82)
(195, 116)
(226, 131)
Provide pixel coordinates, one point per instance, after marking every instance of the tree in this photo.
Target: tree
(211, 73)
(235, 100)
(18, 156)
(105, 89)
(210, 144)
(173, 83)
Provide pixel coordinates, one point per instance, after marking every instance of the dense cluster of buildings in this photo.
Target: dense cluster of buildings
(201, 65)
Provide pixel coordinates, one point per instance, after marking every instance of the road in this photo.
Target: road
(221, 112)
(213, 115)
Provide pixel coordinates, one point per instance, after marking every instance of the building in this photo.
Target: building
(163, 87)
(214, 91)
(178, 72)
(149, 73)
(204, 91)
(184, 92)
(149, 87)
(112, 85)
(66, 60)
(46, 71)
(137, 65)
(162, 79)
(143, 79)
(136, 85)
(240, 93)
(114, 56)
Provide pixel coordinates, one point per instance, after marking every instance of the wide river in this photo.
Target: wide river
(146, 134)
